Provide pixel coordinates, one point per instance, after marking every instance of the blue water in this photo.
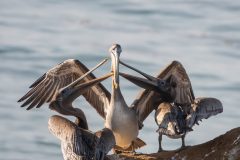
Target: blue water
(36, 35)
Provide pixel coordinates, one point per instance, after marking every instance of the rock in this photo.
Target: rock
(226, 146)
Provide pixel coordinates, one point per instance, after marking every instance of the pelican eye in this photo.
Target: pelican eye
(162, 82)
(64, 91)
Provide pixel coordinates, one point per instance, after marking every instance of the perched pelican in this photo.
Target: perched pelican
(177, 111)
(124, 121)
(77, 142)
(176, 123)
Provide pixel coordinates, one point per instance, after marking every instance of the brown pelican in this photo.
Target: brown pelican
(124, 121)
(178, 111)
(172, 85)
(77, 142)
(176, 123)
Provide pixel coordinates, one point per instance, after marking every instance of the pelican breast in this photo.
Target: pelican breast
(123, 122)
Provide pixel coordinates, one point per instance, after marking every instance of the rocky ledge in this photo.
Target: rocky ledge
(226, 146)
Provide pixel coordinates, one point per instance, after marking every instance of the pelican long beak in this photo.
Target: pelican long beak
(64, 104)
(115, 68)
(79, 89)
(148, 84)
(149, 77)
(115, 51)
(141, 82)
(84, 75)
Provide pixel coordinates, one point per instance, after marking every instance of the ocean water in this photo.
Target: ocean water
(36, 35)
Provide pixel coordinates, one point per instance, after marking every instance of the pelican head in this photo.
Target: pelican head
(115, 51)
(65, 92)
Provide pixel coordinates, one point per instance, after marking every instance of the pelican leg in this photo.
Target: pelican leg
(160, 143)
(183, 141)
(133, 149)
(99, 155)
(183, 144)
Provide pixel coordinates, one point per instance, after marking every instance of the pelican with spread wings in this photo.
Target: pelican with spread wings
(178, 111)
(71, 79)
(171, 85)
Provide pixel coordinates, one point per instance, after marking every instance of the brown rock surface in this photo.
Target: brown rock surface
(226, 146)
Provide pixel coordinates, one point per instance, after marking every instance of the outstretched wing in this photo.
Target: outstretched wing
(46, 87)
(146, 102)
(181, 90)
(203, 108)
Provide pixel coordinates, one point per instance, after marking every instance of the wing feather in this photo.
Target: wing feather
(38, 81)
(32, 97)
(203, 108)
(145, 103)
(96, 98)
(182, 93)
(40, 95)
(51, 94)
(45, 95)
(29, 93)
(181, 90)
(45, 88)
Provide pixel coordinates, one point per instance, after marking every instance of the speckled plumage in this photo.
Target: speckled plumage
(175, 122)
(171, 95)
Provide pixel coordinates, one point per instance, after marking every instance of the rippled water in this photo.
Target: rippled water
(36, 35)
